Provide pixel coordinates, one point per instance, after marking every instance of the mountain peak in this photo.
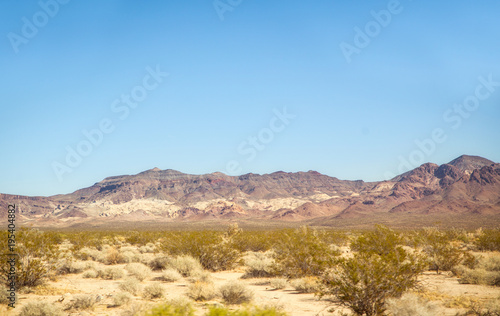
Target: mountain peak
(467, 163)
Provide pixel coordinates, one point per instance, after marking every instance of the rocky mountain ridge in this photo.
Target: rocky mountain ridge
(467, 184)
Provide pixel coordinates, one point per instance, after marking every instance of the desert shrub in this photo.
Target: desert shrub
(381, 241)
(489, 308)
(306, 285)
(121, 298)
(258, 264)
(171, 275)
(82, 301)
(130, 285)
(212, 249)
(485, 272)
(68, 266)
(278, 283)
(152, 291)
(202, 291)
(248, 311)
(235, 292)
(442, 252)
(148, 248)
(159, 263)
(138, 270)
(172, 308)
(302, 252)
(40, 309)
(111, 273)
(410, 304)
(113, 256)
(134, 309)
(90, 274)
(381, 268)
(186, 265)
(488, 240)
(200, 276)
(87, 253)
(37, 257)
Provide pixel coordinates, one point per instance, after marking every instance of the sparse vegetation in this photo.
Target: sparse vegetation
(235, 292)
(130, 285)
(171, 275)
(248, 311)
(202, 291)
(153, 291)
(172, 308)
(278, 283)
(185, 265)
(138, 270)
(410, 304)
(82, 301)
(111, 273)
(306, 285)
(40, 309)
(121, 298)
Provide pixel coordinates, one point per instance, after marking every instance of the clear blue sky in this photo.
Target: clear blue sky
(227, 78)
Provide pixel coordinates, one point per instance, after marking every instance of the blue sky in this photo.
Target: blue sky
(356, 115)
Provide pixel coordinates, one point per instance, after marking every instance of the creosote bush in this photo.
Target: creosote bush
(38, 253)
(380, 268)
(212, 249)
(302, 252)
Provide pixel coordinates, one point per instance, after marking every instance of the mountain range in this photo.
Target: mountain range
(466, 185)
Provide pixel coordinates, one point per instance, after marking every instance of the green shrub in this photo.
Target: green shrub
(38, 253)
(212, 249)
(443, 254)
(235, 292)
(488, 240)
(302, 252)
(381, 268)
(249, 311)
(40, 309)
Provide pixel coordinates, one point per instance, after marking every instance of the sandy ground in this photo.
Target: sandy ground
(443, 288)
